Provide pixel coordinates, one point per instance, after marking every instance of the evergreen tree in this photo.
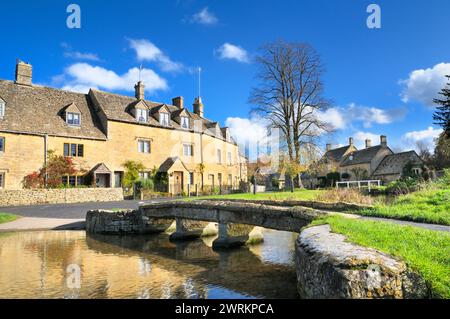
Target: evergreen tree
(442, 115)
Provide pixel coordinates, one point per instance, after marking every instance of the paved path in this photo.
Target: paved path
(69, 211)
(31, 224)
(400, 222)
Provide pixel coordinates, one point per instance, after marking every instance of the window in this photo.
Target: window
(73, 119)
(72, 181)
(73, 150)
(2, 180)
(230, 180)
(2, 144)
(144, 175)
(191, 178)
(219, 156)
(230, 162)
(2, 109)
(144, 146)
(141, 115)
(164, 119)
(188, 150)
(185, 122)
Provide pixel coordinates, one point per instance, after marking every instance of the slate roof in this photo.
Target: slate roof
(362, 156)
(336, 154)
(40, 110)
(394, 163)
(116, 107)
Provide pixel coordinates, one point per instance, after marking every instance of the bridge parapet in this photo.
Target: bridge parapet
(291, 219)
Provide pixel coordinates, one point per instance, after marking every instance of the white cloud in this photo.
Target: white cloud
(147, 51)
(205, 17)
(426, 137)
(247, 131)
(82, 76)
(361, 137)
(333, 117)
(423, 85)
(82, 56)
(342, 117)
(233, 52)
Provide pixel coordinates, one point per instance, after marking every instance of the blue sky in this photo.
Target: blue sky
(380, 80)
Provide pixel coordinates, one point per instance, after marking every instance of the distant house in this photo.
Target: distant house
(377, 162)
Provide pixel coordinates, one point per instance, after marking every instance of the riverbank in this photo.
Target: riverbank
(7, 218)
(424, 251)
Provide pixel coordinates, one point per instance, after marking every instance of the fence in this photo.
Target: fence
(360, 184)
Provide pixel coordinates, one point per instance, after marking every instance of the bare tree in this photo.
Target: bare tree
(290, 94)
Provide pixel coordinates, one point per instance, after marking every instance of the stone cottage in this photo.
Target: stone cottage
(377, 162)
(100, 131)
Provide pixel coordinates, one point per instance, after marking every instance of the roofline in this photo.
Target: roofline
(52, 134)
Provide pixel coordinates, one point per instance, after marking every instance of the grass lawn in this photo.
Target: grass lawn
(5, 218)
(429, 206)
(425, 251)
(303, 194)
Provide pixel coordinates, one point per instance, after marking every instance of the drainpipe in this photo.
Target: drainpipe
(45, 159)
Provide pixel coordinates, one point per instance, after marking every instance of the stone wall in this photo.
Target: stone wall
(25, 197)
(123, 222)
(329, 267)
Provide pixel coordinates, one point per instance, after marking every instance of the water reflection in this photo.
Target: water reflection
(34, 265)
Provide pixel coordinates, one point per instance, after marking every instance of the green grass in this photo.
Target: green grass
(428, 206)
(303, 194)
(6, 218)
(425, 251)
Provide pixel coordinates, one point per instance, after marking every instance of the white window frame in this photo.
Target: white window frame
(164, 119)
(230, 158)
(189, 148)
(144, 175)
(2, 179)
(185, 122)
(141, 115)
(2, 109)
(70, 117)
(219, 156)
(3, 139)
(142, 149)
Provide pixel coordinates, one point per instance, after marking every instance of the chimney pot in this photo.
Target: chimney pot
(350, 141)
(178, 102)
(24, 73)
(139, 89)
(328, 147)
(383, 140)
(198, 106)
(368, 143)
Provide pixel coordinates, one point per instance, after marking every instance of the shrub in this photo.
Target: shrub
(345, 195)
(403, 186)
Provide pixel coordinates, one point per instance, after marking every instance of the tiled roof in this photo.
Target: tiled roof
(40, 110)
(394, 163)
(336, 154)
(362, 156)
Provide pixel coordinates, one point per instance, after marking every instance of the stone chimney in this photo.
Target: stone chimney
(24, 73)
(350, 141)
(198, 106)
(178, 102)
(368, 143)
(139, 90)
(383, 140)
(328, 147)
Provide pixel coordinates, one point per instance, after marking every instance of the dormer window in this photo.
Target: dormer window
(2, 108)
(185, 122)
(73, 119)
(142, 115)
(164, 119)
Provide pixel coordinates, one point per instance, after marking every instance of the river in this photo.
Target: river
(71, 264)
